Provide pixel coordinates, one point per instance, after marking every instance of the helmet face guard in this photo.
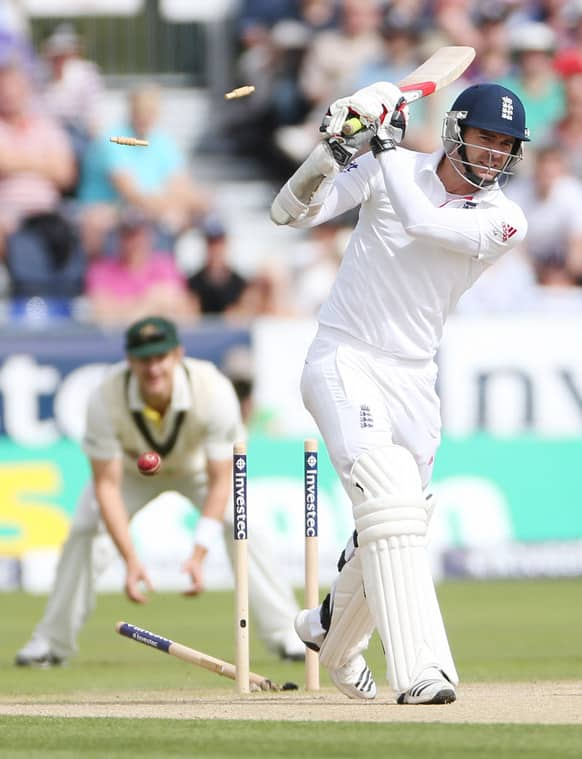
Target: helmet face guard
(489, 108)
(456, 151)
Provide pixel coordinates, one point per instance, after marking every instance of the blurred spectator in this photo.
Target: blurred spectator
(567, 133)
(36, 160)
(237, 364)
(334, 54)
(552, 203)
(399, 54)
(268, 293)
(36, 167)
(257, 17)
(493, 61)
(44, 258)
(13, 19)
(328, 68)
(557, 15)
(319, 14)
(402, 52)
(318, 260)
(533, 45)
(571, 14)
(154, 179)
(216, 288)
(138, 280)
(74, 86)
(454, 19)
(273, 47)
(245, 126)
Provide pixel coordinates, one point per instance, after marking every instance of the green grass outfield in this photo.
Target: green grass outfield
(499, 631)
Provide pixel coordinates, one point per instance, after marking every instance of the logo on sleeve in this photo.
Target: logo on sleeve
(350, 167)
(507, 231)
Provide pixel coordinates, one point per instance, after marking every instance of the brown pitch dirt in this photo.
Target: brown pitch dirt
(548, 703)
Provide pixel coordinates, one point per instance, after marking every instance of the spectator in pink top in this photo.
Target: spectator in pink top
(139, 280)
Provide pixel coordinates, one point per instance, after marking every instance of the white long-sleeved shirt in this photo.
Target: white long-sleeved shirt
(414, 251)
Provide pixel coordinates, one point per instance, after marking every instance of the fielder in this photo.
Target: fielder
(187, 411)
(428, 226)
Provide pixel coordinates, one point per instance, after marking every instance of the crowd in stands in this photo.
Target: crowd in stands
(84, 219)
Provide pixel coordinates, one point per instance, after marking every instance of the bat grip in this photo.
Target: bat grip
(144, 636)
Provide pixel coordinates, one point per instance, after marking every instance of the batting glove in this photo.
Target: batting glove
(362, 112)
(389, 133)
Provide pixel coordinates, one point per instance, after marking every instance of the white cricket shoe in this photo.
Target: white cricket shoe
(354, 679)
(433, 688)
(37, 653)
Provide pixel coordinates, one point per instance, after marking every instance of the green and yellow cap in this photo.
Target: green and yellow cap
(151, 336)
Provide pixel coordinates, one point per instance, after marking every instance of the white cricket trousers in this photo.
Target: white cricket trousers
(362, 399)
(72, 598)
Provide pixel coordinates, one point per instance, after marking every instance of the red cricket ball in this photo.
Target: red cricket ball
(149, 463)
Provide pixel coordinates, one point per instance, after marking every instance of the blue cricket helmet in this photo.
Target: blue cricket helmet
(492, 107)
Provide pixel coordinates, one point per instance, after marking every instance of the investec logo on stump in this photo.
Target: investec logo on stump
(240, 498)
(311, 496)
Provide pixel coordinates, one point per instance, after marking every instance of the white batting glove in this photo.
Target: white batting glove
(368, 106)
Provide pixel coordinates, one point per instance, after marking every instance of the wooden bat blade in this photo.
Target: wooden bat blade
(444, 66)
(198, 658)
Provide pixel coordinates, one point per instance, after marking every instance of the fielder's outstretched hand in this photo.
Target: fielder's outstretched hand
(135, 578)
(194, 568)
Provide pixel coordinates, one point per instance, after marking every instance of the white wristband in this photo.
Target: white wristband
(207, 532)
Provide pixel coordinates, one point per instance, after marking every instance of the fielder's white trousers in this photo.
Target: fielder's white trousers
(86, 554)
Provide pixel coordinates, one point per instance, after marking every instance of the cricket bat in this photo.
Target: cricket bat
(444, 66)
(198, 658)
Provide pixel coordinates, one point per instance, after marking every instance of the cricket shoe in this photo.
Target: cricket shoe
(354, 678)
(37, 653)
(434, 688)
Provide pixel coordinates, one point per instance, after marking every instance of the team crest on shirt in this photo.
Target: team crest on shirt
(366, 419)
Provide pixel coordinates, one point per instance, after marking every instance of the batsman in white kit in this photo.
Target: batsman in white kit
(187, 411)
(428, 226)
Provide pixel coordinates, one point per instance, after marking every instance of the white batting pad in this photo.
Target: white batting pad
(351, 621)
(391, 518)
